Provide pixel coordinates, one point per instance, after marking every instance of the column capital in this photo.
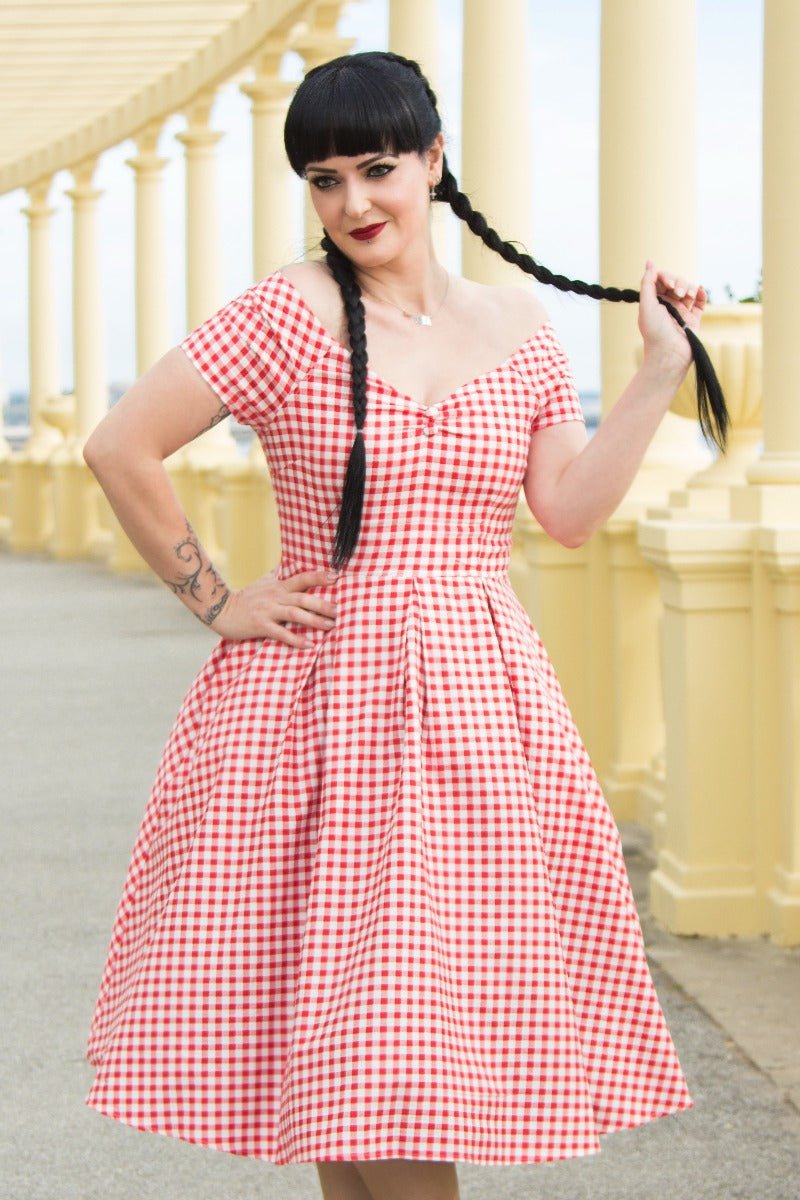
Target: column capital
(318, 48)
(146, 165)
(147, 138)
(83, 195)
(83, 172)
(198, 110)
(268, 57)
(38, 212)
(268, 93)
(323, 16)
(199, 139)
(775, 466)
(38, 193)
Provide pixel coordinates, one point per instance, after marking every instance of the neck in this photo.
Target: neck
(416, 283)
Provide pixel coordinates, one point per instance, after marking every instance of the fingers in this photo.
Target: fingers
(317, 612)
(318, 617)
(306, 579)
(680, 292)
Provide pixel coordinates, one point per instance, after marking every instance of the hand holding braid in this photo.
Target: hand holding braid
(711, 407)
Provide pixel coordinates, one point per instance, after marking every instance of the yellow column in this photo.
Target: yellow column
(771, 498)
(648, 198)
(496, 134)
(247, 514)
(779, 462)
(275, 238)
(647, 209)
(89, 350)
(780, 553)
(318, 43)
(42, 314)
(31, 502)
(707, 879)
(191, 468)
(77, 530)
(204, 287)
(414, 32)
(204, 291)
(153, 334)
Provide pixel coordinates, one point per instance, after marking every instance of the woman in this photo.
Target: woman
(377, 915)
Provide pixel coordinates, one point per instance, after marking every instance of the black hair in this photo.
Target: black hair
(380, 102)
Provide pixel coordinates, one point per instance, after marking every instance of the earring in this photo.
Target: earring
(433, 189)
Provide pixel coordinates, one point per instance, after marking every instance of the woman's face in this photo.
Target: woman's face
(391, 190)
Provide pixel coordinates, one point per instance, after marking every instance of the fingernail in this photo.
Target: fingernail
(331, 574)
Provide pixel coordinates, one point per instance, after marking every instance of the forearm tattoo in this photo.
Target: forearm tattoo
(199, 579)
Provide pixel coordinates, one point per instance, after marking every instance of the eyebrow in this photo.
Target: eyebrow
(359, 166)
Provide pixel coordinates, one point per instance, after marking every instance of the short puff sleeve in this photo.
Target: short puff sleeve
(244, 355)
(553, 382)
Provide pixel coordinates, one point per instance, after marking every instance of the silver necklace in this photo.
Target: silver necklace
(417, 318)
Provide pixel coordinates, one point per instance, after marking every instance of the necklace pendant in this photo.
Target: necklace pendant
(420, 318)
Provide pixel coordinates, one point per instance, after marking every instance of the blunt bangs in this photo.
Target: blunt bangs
(352, 106)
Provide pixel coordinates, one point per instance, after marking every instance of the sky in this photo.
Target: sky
(565, 135)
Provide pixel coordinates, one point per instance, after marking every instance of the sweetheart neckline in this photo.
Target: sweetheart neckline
(390, 387)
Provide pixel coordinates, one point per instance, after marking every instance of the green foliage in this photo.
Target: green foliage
(756, 298)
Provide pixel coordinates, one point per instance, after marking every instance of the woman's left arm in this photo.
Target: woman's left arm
(573, 486)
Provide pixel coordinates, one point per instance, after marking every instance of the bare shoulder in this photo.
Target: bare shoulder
(318, 288)
(516, 310)
(522, 305)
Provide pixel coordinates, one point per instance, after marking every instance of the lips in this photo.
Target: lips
(368, 232)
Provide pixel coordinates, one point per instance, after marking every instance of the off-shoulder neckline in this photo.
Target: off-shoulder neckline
(337, 346)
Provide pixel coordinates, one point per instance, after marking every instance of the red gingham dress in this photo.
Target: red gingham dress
(377, 906)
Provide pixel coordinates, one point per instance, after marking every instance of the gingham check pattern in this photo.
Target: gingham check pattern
(377, 907)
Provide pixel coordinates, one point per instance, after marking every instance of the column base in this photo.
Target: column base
(783, 908)
(766, 504)
(650, 806)
(623, 786)
(706, 503)
(705, 901)
(249, 521)
(76, 526)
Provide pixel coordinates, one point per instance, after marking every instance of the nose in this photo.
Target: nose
(356, 200)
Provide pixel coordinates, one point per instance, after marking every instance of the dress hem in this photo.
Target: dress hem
(443, 1154)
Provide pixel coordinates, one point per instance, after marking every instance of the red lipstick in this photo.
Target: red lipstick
(367, 233)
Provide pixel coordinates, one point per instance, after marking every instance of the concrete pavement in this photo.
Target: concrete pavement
(93, 670)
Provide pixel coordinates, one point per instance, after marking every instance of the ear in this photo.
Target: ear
(435, 154)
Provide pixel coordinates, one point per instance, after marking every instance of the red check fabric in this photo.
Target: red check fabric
(377, 906)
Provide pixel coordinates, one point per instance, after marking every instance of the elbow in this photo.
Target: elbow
(96, 452)
(102, 452)
(566, 537)
(573, 541)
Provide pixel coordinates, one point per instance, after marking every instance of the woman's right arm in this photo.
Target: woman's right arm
(167, 407)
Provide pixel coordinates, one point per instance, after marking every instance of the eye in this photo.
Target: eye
(322, 181)
(384, 168)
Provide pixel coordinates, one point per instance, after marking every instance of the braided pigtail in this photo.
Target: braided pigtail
(711, 407)
(355, 477)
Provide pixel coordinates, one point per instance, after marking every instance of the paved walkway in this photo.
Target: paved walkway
(93, 670)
